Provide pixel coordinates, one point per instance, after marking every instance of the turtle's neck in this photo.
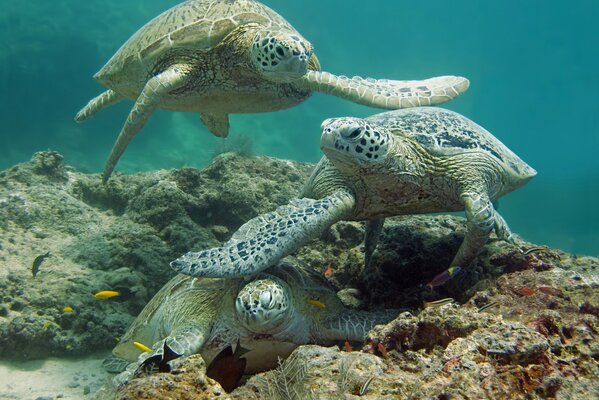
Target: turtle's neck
(295, 328)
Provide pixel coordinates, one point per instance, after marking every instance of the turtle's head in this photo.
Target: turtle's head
(354, 142)
(264, 305)
(280, 56)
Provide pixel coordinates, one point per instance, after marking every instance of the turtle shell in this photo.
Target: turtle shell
(194, 24)
(148, 326)
(445, 133)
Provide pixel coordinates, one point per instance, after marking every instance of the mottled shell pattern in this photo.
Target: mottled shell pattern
(457, 135)
(197, 24)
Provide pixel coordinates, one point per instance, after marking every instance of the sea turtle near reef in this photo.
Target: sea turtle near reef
(218, 57)
(419, 160)
(268, 316)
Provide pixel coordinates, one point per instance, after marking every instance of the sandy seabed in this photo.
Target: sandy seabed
(52, 378)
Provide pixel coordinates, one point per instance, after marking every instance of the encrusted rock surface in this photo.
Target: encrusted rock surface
(539, 340)
(186, 381)
(120, 235)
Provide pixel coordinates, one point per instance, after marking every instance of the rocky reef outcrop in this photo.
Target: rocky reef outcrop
(523, 324)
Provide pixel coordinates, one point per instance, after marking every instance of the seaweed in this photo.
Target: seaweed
(287, 382)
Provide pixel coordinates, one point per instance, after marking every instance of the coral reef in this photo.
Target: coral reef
(121, 235)
(187, 381)
(523, 323)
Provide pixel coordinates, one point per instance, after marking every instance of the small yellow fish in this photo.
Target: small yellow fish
(69, 347)
(106, 294)
(47, 324)
(316, 303)
(142, 347)
(438, 303)
(68, 309)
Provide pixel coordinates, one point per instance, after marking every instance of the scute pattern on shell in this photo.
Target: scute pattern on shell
(444, 133)
(196, 23)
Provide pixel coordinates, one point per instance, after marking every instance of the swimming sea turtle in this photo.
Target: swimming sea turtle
(218, 57)
(420, 160)
(282, 308)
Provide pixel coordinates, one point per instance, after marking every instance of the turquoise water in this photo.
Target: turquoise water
(532, 66)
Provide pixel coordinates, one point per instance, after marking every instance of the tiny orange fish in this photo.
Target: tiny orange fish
(383, 350)
(347, 347)
(525, 291)
(328, 272)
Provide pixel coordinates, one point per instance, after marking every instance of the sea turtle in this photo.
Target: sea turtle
(281, 308)
(419, 160)
(218, 57)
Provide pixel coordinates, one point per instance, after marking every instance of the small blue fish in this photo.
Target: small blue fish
(443, 277)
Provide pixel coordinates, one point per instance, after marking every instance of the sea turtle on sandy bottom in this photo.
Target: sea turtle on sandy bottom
(218, 57)
(419, 160)
(280, 309)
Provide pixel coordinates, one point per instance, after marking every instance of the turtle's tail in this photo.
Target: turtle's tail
(98, 103)
(387, 93)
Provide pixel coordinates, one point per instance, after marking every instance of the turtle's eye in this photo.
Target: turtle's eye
(280, 51)
(352, 134)
(265, 299)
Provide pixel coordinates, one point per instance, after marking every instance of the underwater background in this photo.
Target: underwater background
(532, 67)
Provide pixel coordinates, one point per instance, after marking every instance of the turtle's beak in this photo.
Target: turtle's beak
(327, 137)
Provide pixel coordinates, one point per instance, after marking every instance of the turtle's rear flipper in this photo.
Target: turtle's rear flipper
(386, 93)
(156, 88)
(98, 103)
(353, 325)
(218, 124)
(114, 365)
(264, 240)
(480, 221)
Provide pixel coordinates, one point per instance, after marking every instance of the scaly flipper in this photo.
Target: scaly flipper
(480, 221)
(386, 93)
(187, 340)
(218, 124)
(354, 325)
(98, 103)
(502, 230)
(264, 240)
(157, 87)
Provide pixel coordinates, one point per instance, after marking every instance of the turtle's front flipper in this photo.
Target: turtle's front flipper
(386, 93)
(151, 95)
(372, 233)
(480, 221)
(185, 341)
(98, 103)
(264, 240)
(353, 325)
